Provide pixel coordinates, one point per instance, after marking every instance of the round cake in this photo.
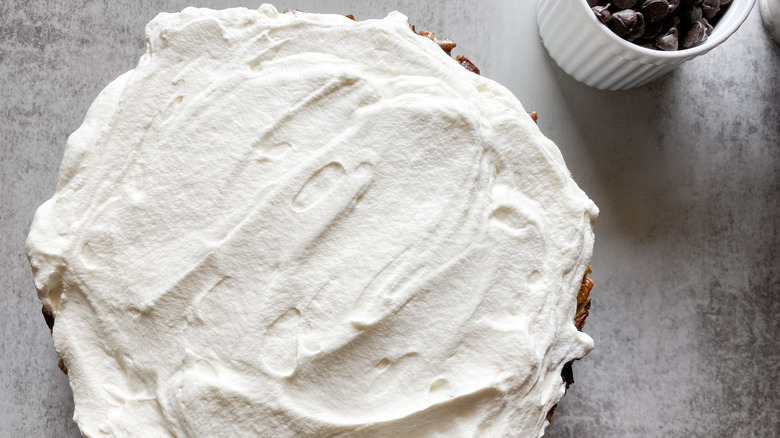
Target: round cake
(301, 225)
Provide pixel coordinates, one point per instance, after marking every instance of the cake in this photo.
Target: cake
(302, 225)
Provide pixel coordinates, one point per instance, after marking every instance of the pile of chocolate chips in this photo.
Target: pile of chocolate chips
(660, 24)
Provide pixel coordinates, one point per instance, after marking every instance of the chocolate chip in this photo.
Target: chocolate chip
(602, 13)
(639, 28)
(622, 22)
(624, 4)
(668, 41)
(707, 26)
(710, 8)
(695, 35)
(692, 14)
(673, 21)
(655, 10)
(652, 30)
(660, 24)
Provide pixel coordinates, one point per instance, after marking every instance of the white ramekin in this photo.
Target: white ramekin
(590, 53)
(770, 13)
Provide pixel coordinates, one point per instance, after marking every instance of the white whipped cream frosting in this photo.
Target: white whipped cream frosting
(299, 225)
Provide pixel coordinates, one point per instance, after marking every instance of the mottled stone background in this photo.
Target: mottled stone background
(686, 171)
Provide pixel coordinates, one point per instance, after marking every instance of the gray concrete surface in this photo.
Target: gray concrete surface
(686, 171)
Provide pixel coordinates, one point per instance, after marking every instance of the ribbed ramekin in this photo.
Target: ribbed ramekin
(592, 54)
